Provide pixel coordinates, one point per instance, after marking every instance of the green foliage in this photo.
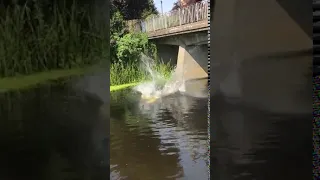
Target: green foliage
(133, 9)
(151, 10)
(117, 25)
(132, 73)
(131, 45)
(127, 47)
(32, 42)
(117, 30)
(123, 74)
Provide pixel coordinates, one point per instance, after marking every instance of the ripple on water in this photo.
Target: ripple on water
(171, 131)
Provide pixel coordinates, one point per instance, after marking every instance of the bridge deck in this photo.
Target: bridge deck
(188, 19)
(187, 28)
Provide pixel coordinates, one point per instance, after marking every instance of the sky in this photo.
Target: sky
(166, 4)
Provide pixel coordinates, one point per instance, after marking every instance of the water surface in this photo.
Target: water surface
(165, 139)
(55, 131)
(252, 144)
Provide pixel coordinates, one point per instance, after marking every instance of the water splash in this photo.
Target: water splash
(158, 86)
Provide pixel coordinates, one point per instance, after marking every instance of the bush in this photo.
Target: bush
(132, 45)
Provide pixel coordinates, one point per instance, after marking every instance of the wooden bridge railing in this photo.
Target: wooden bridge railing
(190, 14)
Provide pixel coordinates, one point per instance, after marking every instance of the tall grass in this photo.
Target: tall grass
(133, 73)
(31, 41)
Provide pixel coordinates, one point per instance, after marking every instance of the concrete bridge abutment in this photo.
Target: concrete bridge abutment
(168, 53)
(189, 52)
(192, 62)
(191, 65)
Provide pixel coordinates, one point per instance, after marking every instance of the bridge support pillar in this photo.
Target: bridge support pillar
(192, 70)
(192, 63)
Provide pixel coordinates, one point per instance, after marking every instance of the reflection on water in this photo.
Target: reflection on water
(248, 143)
(166, 139)
(52, 131)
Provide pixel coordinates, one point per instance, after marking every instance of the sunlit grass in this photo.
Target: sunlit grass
(26, 81)
(131, 74)
(122, 86)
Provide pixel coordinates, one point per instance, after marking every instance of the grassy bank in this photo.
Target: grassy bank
(25, 81)
(122, 86)
(121, 77)
(40, 43)
(130, 75)
(35, 38)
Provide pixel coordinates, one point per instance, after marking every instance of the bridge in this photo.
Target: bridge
(248, 38)
(181, 36)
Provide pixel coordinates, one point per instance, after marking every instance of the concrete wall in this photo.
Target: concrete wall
(193, 62)
(199, 53)
(259, 54)
(260, 65)
(186, 39)
(168, 53)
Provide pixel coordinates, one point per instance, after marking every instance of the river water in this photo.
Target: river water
(57, 130)
(60, 131)
(248, 143)
(165, 139)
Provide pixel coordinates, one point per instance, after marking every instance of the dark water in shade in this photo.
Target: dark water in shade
(54, 131)
(166, 139)
(252, 144)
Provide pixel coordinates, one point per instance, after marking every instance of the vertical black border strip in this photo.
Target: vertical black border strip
(108, 60)
(209, 89)
(316, 92)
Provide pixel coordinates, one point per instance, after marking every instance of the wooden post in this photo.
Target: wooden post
(179, 14)
(197, 12)
(154, 29)
(165, 21)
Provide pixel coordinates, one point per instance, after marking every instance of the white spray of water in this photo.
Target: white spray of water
(159, 86)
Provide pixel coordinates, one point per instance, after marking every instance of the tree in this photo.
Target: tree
(176, 5)
(183, 3)
(133, 9)
(125, 46)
